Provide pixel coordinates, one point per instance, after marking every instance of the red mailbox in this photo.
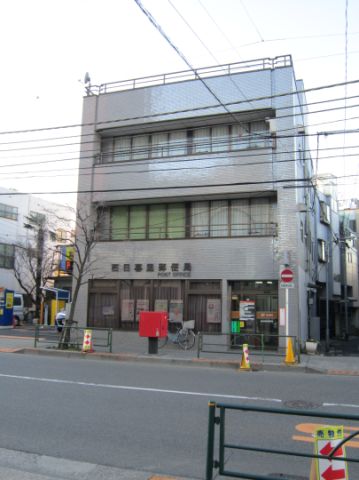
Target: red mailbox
(153, 324)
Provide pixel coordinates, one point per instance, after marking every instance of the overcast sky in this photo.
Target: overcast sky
(47, 46)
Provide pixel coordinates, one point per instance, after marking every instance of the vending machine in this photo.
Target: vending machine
(6, 307)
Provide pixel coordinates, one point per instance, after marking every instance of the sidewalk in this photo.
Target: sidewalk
(15, 465)
(128, 346)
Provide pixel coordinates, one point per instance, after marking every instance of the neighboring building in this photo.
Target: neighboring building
(327, 259)
(350, 271)
(16, 210)
(203, 204)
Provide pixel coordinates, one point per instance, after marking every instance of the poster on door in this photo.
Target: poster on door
(176, 311)
(161, 305)
(141, 306)
(127, 310)
(247, 310)
(213, 310)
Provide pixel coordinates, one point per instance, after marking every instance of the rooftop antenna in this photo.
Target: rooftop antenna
(87, 81)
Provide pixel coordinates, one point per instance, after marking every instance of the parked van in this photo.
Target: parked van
(18, 311)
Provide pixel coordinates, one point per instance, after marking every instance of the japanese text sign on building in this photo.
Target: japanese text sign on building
(326, 439)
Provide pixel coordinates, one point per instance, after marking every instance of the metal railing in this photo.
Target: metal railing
(219, 421)
(185, 75)
(50, 337)
(259, 344)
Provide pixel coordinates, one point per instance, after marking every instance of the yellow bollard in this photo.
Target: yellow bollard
(87, 342)
(289, 357)
(245, 365)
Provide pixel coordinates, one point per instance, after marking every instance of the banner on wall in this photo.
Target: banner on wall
(142, 305)
(161, 305)
(127, 310)
(213, 310)
(176, 311)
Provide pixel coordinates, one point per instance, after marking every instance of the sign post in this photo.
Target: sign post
(286, 281)
(326, 439)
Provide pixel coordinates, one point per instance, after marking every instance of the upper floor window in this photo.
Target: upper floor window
(7, 211)
(7, 255)
(322, 251)
(193, 141)
(324, 213)
(203, 219)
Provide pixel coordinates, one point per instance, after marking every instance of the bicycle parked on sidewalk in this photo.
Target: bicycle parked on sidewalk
(184, 337)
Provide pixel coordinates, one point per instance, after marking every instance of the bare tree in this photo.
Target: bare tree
(33, 265)
(87, 226)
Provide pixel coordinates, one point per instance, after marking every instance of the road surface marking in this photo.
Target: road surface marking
(140, 389)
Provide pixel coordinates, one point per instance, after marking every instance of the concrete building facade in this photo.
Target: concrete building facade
(202, 183)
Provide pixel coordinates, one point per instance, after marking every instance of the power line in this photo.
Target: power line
(177, 187)
(181, 55)
(144, 129)
(154, 115)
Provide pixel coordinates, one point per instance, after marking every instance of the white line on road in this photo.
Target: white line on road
(139, 389)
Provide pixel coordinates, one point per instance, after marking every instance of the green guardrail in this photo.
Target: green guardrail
(258, 344)
(50, 337)
(217, 465)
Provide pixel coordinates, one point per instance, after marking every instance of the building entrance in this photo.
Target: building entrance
(254, 310)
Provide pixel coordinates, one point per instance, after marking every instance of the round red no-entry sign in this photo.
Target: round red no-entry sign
(286, 275)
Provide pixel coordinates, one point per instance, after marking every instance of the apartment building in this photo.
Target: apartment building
(201, 182)
(21, 216)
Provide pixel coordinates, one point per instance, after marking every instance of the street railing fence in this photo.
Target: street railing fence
(259, 344)
(217, 465)
(72, 337)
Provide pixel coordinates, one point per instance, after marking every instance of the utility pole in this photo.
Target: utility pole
(37, 223)
(39, 260)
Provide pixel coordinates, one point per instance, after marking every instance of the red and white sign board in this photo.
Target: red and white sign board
(326, 439)
(286, 278)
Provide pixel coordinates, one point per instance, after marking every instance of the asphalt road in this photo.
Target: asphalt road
(155, 417)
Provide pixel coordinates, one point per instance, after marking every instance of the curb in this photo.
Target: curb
(189, 362)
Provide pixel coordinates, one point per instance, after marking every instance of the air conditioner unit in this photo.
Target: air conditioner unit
(272, 123)
(301, 129)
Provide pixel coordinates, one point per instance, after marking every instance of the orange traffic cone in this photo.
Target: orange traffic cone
(87, 342)
(289, 357)
(245, 365)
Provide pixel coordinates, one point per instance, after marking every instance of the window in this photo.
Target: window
(216, 218)
(7, 255)
(219, 218)
(140, 147)
(322, 251)
(200, 219)
(176, 220)
(106, 150)
(240, 217)
(324, 213)
(122, 149)
(61, 235)
(157, 222)
(137, 222)
(218, 138)
(9, 212)
(159, 145)
(177, 143)
(119, 223)
(201, 140)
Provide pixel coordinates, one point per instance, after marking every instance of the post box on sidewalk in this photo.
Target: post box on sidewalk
(153, 325)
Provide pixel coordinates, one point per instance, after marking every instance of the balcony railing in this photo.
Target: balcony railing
(186, 75)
